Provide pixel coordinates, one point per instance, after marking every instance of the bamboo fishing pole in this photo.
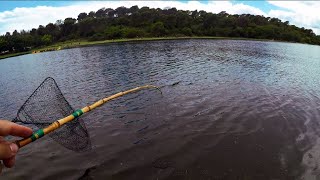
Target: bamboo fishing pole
(57, 124)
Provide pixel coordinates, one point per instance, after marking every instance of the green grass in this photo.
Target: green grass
(13, 55)
(81, 43)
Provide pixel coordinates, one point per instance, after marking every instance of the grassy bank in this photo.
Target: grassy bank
(13, 55)
(82, 43)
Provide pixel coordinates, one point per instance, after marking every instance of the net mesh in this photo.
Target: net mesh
(46, 105)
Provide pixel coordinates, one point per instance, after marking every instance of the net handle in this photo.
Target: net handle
(57, 124)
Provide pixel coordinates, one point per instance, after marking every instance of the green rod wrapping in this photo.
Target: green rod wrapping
(77, 113)
(38, 134)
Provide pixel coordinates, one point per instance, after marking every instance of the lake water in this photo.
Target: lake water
(230, 109)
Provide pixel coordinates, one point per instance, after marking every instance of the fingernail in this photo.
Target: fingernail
(14, 148)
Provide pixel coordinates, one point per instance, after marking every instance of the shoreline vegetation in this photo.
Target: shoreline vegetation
(123, 24)
(86, 43)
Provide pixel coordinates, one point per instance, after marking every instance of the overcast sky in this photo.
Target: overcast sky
(30, 14)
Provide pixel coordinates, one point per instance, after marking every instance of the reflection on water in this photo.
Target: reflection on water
(230, 110)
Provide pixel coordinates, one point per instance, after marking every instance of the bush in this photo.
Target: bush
(46, 39)
(113, 32)
(186, 31)
(97, 37)
(129, 32)
(158, 29)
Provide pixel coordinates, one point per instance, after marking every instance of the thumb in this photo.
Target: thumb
(8, 150)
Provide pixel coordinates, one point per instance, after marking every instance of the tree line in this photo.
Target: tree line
(135, 22)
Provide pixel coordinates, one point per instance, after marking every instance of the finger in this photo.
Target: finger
(9, 163)
(10, 128)
(1, 167)
(8, 150)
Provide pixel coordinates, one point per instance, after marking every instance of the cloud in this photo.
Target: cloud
(300, 13)
(28, 18)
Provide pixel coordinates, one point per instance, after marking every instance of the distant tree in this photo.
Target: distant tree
(15, 33)
(122, 22)
(134, 9)
(132, 32)
(187, 31)
(110, 12)
(113, 32)
(82, 16)
(59, 22)
(69, 21)
(41, 30)
(170, 21)
(53, 30)
(183, 20)
(92, 14)
(97, 37)
(3, 44)
(158, 29)
(101, 13)
(46, 39)
(121, 11)
(68, 27)
(33, 32)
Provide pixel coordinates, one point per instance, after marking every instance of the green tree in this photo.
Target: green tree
(46, 39)
(129, 32)
(113, 32)
(82, 16)
(157, 29)
(122, 22)
(3, 44)
(186, 31)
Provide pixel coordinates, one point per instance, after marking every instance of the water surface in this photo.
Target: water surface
(230, 110)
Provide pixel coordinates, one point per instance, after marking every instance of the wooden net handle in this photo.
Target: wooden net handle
(57, 124)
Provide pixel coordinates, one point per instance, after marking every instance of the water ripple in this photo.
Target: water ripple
(230, 109)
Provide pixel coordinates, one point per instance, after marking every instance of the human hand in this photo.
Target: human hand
(8, 150)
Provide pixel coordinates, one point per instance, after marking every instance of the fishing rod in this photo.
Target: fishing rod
(57, 124)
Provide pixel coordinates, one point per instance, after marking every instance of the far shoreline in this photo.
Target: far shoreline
(85, 43)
